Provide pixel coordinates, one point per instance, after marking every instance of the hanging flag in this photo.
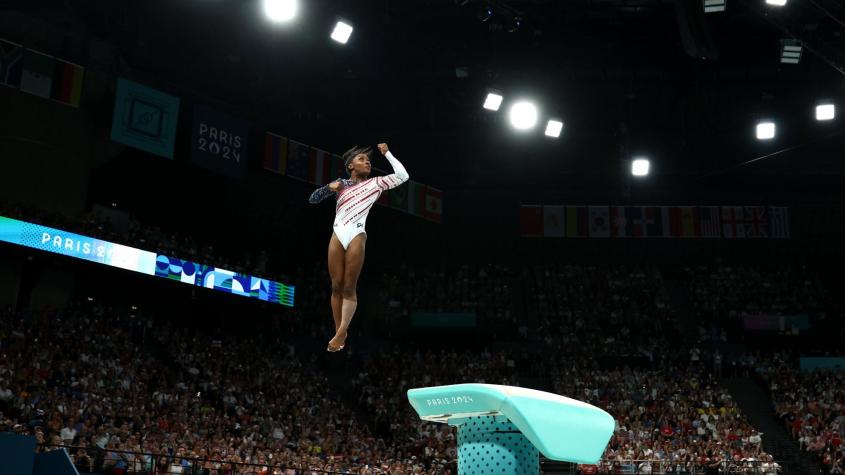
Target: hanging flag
(779, 222)
(658, 221)
(690, 222)
(338, 170)
(671, 216)
(67, 83)
(319, 167)
(416, 197)
(11, 63)
(297, 165)
(710, 221)
(530, 221)
(275, 152)
(433, 204)
(577, 221)
(554, 221)
(733, 222)
(618, 223)
(653, 221)
(144, 118)
(756, 222)
(399, 198)
(599, 221)
(219, 142)
(634, 222)
(37, 74)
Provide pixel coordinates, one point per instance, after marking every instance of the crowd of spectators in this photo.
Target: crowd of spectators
(484, 290)
(110, 383)
(811, 405)
(631, 299)
(720, 292)
(106, 381)
(675, 419)
(607, 312)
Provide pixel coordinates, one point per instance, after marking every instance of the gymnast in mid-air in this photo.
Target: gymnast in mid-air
(355, 196)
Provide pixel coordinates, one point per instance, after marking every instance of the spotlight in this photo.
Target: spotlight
(777, 3)
(486, 13)
(640, 166)
(714, 6)
(280, 10)
(765, 130)
(341, 32)
(825, 111)
(493, 101)
(553, 128)
(461, 3)
(790, 51)
(516, 23)
(523, 115)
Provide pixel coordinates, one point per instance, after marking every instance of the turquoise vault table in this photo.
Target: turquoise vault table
(502, 428)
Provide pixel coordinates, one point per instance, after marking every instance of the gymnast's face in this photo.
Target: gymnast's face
(360, 165)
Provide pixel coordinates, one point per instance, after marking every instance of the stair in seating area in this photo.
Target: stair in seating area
(755, 403)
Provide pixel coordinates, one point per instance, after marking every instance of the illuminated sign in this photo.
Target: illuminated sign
(116, 255)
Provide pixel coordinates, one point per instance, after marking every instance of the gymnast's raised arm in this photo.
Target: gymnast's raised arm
(399, 175)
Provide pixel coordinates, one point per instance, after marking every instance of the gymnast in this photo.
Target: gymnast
(355, 196)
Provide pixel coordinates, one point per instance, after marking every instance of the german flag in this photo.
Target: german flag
(67, 82)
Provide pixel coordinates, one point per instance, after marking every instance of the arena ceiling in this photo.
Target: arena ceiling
(652, 77)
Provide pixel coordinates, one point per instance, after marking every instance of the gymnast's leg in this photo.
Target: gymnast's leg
(337, 257)
(352, 269)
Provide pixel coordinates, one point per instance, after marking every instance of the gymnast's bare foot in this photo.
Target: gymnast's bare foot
(338, 342)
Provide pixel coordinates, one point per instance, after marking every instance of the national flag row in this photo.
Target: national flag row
(40, 74)
(731, 222)
(313, 165)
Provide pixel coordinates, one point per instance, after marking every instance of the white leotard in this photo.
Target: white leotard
(355, 200)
